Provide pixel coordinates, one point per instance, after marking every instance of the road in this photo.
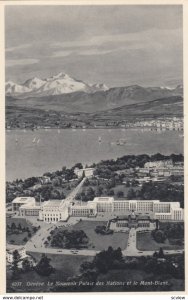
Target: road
(36, 245)
(73, 194)
(131, 249)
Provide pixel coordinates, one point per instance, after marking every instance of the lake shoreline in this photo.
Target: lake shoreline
(30, 153)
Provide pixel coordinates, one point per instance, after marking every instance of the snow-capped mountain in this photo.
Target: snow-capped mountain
(98, 87)
(55, 85)
(14, 88)
(34, 83)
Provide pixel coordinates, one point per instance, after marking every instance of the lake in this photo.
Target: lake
(32, 153)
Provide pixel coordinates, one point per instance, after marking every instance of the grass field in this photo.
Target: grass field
(18, 238)
(116, 189)
(124, 189)
(66, 266)
(144, 241)
(18, 221)
(98, 241)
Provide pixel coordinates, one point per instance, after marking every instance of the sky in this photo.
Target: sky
(118, 45)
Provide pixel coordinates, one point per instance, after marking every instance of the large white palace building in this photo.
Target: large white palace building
(60, 210)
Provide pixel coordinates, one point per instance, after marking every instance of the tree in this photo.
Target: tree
(98, 191)
(26, 265)
(35, 229)
(16, 258)
(127, 184)
(131, 194)
(29, 182)
(55, 194)
(86, 265)
(13, 226)
(86, 182)
(29, 235)
(120, 194)
(161, 253)
(19, 227)
(78, 165)
(157, 224)
(159, 236)
(90, 193)
(110, 193)
(78, 197)
(155, 254)
(105, 260)
(43, 267)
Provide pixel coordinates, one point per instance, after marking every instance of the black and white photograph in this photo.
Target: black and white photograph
(94, 128)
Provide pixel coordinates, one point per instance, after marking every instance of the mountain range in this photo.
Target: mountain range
(55, 85)
(64, 93)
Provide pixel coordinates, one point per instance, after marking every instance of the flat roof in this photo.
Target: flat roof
(103, 199)
(23, 199)
(84, 169)
(52, 203)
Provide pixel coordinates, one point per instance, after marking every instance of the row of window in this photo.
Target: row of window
(51, 219)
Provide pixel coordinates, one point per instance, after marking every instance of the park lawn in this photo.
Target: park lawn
(124, 189)
(144, 242)
(65, 266)
(116, 189)
(163, 224)
(18, 238)
(98, 241)
(22, 221)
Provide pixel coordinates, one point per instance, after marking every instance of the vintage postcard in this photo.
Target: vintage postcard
(94, 135)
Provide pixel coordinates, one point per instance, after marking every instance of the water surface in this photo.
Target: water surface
(32, 153)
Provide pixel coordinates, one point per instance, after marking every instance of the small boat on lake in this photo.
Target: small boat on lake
(121, 142)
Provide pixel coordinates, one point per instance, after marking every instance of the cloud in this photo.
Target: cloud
(155, 39)
(15, 48)
(99, 40)
(81, 52)
(16, 62)
(61, 53)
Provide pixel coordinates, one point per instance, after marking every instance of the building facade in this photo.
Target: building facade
(19, 201)
(88, 172)
(60, 210)
(29, 210)
(159, 164)
(54, 211)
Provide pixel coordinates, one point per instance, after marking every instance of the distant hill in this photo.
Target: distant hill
(97, 101)
(16, 116)
(164, 106)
